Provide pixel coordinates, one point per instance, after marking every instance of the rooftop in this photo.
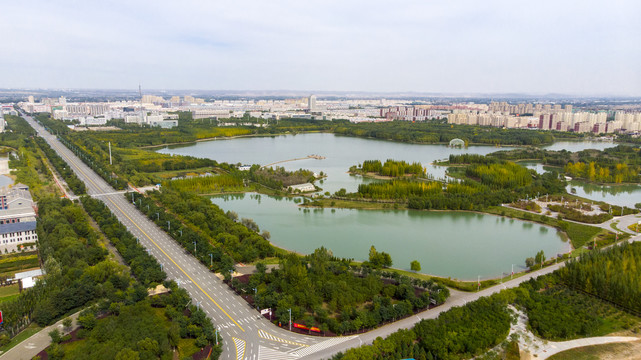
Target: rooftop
(17, 227)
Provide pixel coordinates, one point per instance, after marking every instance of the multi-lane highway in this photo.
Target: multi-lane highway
(246, 334)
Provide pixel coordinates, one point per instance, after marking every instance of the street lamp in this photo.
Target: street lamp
(158, 215)
(168, 225)
(194, 248)
(181, 232)
(211, 260)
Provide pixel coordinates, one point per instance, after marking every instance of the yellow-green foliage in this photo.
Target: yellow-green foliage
(393, 168)
(500, 176)
(221, 131)
(399, 189)
(618, 173)
(463, 188)
(206, 184)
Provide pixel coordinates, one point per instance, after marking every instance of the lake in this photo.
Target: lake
(458, 244)
(340, 154)
(462, 245)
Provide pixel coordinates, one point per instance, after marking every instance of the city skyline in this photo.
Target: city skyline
(570, 48)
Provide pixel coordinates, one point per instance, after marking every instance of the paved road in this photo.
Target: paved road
(37, 342)
(247, 335)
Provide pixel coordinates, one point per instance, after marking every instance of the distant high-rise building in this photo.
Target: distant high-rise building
(312, 102)
(30, 99)
(568, 108)
(62, 101)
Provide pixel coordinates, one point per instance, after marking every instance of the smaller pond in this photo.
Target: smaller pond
(622, 195)
(462, 245)
(575, 146)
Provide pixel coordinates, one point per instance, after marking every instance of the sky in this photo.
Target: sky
(446, 46)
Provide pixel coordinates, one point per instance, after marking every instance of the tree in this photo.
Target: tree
(529, 262)
(87, 319)
(66, 323)
(55, 335)
(415, 265)
(379, 259)
(540, 257)
(127, 354)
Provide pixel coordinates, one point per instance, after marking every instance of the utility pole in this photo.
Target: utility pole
(290, 319)
(211, 260)
(512, 276)
(479, 283)
(194, 248)
(110, 163)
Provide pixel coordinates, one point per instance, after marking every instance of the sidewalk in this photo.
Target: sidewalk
(30, 347)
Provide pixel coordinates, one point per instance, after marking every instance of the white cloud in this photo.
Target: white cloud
(436, 46)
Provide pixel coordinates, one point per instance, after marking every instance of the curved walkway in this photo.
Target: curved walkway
(542, 349)
(37, 342)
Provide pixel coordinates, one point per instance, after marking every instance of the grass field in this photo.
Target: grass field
(628, 351)
(12, 263)
(25, 334)
(9, 292)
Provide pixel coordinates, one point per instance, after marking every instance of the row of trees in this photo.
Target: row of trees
(617, 164)
(614, 275)
(143, 266)
(76, 266)
(506, 175)
(192, 218)
(207, 184)
(487, 185)
(391, 168)
(618, 173)
(77, 186)
(461, 332)
(322, 290)
(438, 132)
(398, 189)
(558, 313)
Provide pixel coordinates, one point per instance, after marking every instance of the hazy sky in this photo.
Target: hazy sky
(572, 47)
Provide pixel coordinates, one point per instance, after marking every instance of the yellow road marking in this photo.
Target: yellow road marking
(150, 239)
(268, 336)
(242, 353)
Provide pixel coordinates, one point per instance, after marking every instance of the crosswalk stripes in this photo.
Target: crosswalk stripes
(240, 348)
(321, 345)
(268, 336)
(265, 353)
(230, 324)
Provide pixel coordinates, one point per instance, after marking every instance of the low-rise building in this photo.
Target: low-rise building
(15, 235)
(303, 187)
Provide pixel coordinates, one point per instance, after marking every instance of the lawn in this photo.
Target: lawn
(596, 352)
(9, 292)
(25, 334)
